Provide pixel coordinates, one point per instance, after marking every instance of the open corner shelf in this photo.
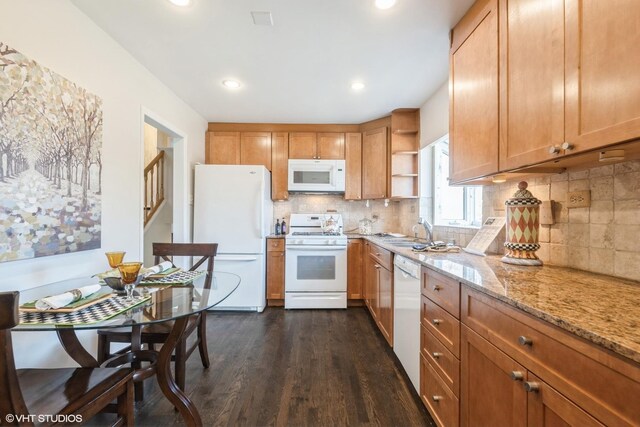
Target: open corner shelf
(405, 131)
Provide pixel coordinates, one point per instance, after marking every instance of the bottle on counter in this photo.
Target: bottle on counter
(283, 228)
(278, 229)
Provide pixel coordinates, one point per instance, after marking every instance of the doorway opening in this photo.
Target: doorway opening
(164, 186)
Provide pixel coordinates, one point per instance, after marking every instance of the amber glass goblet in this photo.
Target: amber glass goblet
(129, 274)
(115, 258)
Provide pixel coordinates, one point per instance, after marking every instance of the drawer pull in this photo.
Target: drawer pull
(437, 288)
(517, 376)
(436, 321)
(531, 386)
(377, 266)
(378, 254)
(437, 398)
(436, 355)
(522, 340)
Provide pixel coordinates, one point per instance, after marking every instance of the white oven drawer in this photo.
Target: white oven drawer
(316, 270)
(315, 300)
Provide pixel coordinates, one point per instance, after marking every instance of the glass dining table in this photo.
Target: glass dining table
(155, 303)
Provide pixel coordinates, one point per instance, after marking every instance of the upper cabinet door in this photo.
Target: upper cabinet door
(473, 93)
(603, 72)
(330, 146)
(374, 164)
(532, 81)
(255, 148)
(279, 165)
(353, 164)
(223, 148)
(302, 145)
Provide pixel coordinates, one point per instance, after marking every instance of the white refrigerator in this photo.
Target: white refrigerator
(232, 207)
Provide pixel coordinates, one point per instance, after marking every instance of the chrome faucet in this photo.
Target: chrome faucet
(428, 229)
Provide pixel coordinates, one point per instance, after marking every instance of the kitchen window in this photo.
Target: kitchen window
(452, 206)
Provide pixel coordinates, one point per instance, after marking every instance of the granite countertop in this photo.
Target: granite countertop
(602, 309)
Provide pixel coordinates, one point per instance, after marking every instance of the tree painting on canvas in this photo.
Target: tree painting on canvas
(50, 161)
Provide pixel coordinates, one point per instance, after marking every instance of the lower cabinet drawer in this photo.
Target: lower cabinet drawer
(442, 404)
(441, 359)
(441, 324)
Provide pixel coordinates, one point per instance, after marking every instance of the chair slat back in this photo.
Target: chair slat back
(207, 252)
(11, 400)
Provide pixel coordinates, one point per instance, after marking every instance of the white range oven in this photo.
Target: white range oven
(316, 263)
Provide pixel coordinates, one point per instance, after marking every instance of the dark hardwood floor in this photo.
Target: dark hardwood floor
(297, 368)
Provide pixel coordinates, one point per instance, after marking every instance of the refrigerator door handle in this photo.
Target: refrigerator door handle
(235, 258)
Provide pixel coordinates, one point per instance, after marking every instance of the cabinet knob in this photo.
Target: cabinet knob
(378, 254)
(517, 376)
(436, 321)
(377, 266)
(522, 340)
(437, 398)
(567, 146)
(531, 386)
(554, 149)
(437, 288)
(436, 355)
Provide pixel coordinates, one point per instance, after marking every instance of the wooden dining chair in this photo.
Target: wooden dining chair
(79, 392)
(158, 333)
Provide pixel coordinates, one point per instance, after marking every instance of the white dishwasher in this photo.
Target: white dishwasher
(406, 316)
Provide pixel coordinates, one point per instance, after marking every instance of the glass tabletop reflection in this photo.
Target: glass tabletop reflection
(165, 302)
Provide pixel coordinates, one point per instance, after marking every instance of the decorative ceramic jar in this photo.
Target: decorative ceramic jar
(523, 228)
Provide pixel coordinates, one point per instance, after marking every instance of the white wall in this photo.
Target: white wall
(60, 37)
(434, 116)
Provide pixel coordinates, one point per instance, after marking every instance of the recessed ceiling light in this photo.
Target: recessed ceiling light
(231, 84)
(181, 2)
(357, 85)
(385, 4)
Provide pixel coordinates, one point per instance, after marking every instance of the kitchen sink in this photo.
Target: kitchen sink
(404, 244)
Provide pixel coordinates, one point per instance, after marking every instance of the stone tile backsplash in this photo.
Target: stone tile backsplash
(603, 238)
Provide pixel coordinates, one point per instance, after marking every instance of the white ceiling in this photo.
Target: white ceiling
(298, 71)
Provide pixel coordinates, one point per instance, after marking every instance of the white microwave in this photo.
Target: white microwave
(316, 176)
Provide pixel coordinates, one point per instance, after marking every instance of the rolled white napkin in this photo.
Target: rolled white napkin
(158, 268)
(57, 301)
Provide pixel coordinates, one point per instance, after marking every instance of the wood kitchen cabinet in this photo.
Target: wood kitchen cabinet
(275, 271)
(385, 303)
(379, 288)
(255, 149)
(279, 165)
(353, 166)
(374, 164)
(238, 148)
(531, 95)
(490, 396)
(531, 85)
(223, 148)
(473, 93)
(371, 287)
(302, 145)
(355, 269)
(405, 131)
(602, 83)
(546, 407)
(330, 145)
(538, 371)
(311, 145)
(440, 346)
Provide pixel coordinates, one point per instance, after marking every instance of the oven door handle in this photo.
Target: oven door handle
(315, 248)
